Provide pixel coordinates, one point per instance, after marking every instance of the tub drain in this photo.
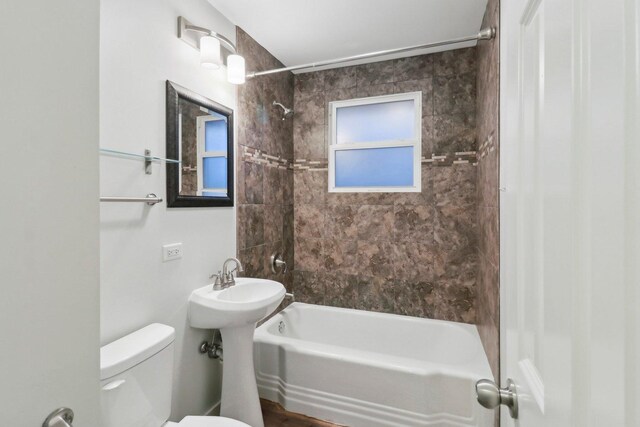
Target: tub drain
(281, 327)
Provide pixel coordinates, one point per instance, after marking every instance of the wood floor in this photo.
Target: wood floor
(276, 416)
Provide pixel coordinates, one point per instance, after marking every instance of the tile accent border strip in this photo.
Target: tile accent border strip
(457, 158)
(487, 147)
(253, 155)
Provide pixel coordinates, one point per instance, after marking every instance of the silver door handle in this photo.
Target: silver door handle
(61, 417)
(491, 396)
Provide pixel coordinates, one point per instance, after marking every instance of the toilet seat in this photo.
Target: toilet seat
(192, 421)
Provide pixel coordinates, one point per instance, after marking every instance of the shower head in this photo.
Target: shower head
(286, 112)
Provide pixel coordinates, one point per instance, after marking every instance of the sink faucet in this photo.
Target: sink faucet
(227, 276)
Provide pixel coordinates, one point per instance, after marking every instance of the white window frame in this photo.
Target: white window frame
(415, 142)
(201, 153)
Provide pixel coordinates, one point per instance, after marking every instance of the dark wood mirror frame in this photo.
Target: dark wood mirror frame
(174, 199)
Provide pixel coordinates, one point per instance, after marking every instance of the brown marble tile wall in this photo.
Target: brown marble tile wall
(406, 253)
(488, 289)
(265, 188)
(430, 254)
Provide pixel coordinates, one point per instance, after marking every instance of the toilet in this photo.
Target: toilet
(136, 374)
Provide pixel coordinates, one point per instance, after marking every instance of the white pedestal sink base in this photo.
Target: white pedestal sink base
(240, 398)
(235, 311)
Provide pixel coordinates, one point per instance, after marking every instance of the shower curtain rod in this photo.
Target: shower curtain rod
(484, 34)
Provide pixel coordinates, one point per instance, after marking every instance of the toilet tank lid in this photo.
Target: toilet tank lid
(138, 346)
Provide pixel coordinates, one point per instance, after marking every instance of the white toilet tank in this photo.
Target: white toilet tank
(136, 375)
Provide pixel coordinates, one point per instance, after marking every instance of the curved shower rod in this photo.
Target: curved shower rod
(484, 34)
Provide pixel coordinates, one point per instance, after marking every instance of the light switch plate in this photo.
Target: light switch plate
(172, 251)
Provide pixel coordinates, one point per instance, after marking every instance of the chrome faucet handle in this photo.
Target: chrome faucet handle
(277, 264)
(217, 284)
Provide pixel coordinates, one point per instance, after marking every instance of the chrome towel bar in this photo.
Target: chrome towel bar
(150, 199)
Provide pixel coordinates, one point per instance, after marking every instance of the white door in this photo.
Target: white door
(49, 213)
(570, 211)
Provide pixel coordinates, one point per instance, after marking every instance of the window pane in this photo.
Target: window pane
(212, 194)
(376, 122)
(215, 135)
(374, 167)
(215, 172)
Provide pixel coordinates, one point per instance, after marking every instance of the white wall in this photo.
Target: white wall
(49, 261)
(139, 52)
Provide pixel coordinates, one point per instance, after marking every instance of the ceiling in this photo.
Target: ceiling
(304, 31)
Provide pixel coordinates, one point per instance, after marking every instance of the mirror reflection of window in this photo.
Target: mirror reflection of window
(203, 149)
(212, 155)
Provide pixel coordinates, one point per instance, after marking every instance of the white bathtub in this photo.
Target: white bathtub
(360, 368)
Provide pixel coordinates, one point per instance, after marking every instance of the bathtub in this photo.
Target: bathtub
(359, 368)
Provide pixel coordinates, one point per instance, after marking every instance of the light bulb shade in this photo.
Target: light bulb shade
(210, 56)
(236, 69)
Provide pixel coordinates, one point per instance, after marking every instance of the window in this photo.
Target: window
(375, 144)
(212, 155)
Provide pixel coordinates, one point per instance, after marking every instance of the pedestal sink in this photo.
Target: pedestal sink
(235, 312)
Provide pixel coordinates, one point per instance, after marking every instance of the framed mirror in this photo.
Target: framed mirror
(200, 135)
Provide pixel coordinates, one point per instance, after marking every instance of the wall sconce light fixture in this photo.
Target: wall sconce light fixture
(210, 55)
(236, 72)
(210, 44)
